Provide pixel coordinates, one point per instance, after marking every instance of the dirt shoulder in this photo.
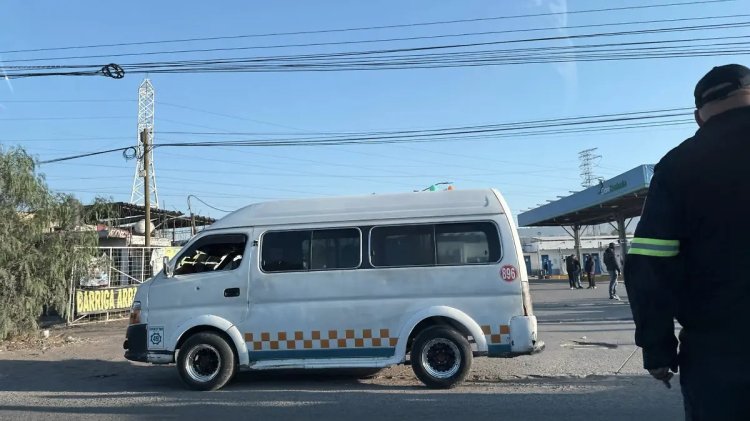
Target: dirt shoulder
(96, 340)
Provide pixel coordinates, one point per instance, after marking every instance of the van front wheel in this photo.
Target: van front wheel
(441, 357)
(206, 361)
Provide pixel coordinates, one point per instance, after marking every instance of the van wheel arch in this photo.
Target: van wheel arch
(206, 328)
(436, 321)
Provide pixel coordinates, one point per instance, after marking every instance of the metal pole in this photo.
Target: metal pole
(192, 216)
(577, 240)
(623, 236)
(146, 184)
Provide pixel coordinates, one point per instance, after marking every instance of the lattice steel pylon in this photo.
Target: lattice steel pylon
(587, 160)
(145, 121)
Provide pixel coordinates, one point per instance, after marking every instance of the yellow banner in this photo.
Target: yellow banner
(92, 301)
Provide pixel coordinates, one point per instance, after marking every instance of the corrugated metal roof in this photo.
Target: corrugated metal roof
(623, 194)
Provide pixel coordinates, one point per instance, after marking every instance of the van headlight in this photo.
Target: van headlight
(135, 313)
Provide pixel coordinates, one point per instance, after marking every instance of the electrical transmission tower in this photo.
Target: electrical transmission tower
(588, 160)
(145, 122)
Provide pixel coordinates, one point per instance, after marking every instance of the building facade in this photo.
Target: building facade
(550, 252)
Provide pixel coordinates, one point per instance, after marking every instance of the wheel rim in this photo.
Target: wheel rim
(202, 363)
(441, 358)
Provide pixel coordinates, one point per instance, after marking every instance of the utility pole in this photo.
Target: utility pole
(146, 184)
(192, 216)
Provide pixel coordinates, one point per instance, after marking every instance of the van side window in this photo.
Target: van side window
(212, 253)
(324, 249)
(286, 251)
(336, 249)
(405, 245)
(435, 244)
(467, 243)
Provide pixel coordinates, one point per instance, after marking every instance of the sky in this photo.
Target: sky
(64, 115)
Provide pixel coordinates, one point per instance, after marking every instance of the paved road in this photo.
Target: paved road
(589, 371)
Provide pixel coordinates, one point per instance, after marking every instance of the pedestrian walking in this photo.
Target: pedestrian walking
(588, 267)
(695, 216)
(613, 268)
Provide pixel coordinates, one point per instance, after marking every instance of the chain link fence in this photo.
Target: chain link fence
(104, 290)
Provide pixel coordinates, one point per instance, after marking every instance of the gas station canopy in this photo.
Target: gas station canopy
(616, 199)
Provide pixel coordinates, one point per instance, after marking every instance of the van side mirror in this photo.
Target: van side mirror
(168, 269)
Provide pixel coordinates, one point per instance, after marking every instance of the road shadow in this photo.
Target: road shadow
(634, 397)
(88, 375)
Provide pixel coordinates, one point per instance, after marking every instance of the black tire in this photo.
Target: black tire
(206, 361)
(441, 357)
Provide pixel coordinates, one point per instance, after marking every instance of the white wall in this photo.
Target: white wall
(557, 248)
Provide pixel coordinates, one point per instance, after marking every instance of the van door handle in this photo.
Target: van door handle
(232, 292)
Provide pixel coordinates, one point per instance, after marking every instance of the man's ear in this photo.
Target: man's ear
(698, 118)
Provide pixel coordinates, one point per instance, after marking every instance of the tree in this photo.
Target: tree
(99, 210)
(40, 244)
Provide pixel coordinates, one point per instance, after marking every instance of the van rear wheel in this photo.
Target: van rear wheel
(441, 357)
(206, 361)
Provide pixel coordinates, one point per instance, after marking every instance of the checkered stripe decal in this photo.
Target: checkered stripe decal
(320, 339)
(496, 334)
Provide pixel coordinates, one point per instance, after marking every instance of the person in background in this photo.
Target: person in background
(610, 260)
(588, 267)
(694, 218)
(577, 267)
(570, 268)
(573, 266)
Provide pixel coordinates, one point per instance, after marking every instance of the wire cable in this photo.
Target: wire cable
(573, 125)
(210, 206)
(369, 28)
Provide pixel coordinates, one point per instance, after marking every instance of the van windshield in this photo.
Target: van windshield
(212, 253)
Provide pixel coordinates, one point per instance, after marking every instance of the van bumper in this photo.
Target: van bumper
(535, 349)
(522, 339)
(135, 343)
(523, 336)
(136, 347)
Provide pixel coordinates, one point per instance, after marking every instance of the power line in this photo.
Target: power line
(68, 158)
(379, 60)
(530, 128)
(72, 139)
(595, 53)
(65, 100)
(65, 118)
(368, 28)
(384, 40)
(210, 206)
(717, 26)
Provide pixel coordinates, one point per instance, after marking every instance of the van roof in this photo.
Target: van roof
(364, 208)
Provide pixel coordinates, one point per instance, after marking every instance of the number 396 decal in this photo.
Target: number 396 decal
(508, 273)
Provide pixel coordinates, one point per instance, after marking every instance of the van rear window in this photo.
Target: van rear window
(434, 244)
(325, 249)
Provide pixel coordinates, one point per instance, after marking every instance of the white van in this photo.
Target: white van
(430, 278)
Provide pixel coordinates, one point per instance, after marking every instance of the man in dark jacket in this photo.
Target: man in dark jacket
(613, 267)
(573, 267)
(695, 216)
(588, 267)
